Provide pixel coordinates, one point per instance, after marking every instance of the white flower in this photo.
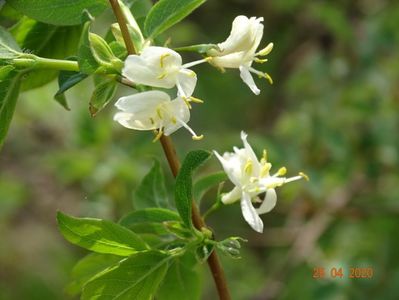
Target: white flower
(239, 50)
(251, 177)
(154, 110)
(161, 67)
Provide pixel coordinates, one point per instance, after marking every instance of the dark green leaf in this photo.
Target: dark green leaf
(207, 182)
(151, 191)
(166, 13)
(86, 60)
(99, 235)
(9, 90)
(136, 277)
(182, 281)
(59, 12)
(87, 267)
(103, 93)
(183, 189)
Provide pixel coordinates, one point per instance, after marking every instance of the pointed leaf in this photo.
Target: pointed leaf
(136, 277)
(103, 93)
(152, 191)
(166, 13)
(183, 189)
(99, 235)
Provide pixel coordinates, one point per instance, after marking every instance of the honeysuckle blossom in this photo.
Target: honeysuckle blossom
(239, 50)
(162, 67)
(154, 110)
(252, 177)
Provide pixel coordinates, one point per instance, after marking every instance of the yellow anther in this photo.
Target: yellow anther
(265, 169)
(197, 137)
(266, 50)
(264, 155)
(162, 76)
(186, 100)
(269, 78)
(306, 177)
(208, 58)
(159, 113)
(282, 171)
(248, 167)
(158, 136)
(162, 58)
(195, 100)
(152, 121)
(173, 120)
(261, 61)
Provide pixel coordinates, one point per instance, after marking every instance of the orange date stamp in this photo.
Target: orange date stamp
(355, 273)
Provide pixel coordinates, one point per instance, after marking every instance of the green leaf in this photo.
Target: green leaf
(88, 267)
(136, 277)
(182, 281)
(9, 91)
(183, 189)
(118, 49)
(59, 12)
(200, 48)
(103, 93)
(149, 220)
(8, 46)
(87, 62)
(100, 49)
(166, 13)
(47, 41)
(202, 185)
(152, 191)
(99, 235)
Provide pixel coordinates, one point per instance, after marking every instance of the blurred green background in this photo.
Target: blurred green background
(332, 113)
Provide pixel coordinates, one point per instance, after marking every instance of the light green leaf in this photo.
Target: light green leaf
(9, 91)
(8, 46)
(183, 189)
(200, 48)
(136, 277)
(100, 49)
(202, 185)
(118, 49)
(100, 235)
(166, 13)
(103, 93)
(87, 62)
(182, 281)
(152, 191)
(88, 267)
(149, 220)
(59, 12)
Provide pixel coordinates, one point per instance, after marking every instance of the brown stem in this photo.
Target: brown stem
(174, 164)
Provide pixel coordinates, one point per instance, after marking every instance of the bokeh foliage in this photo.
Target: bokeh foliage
(332, 113)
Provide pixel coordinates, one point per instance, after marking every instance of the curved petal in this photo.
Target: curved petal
(128, 120)
(178, 113)
(250, 214)
(232, 196)
(186, 81)
(152, 55)
(232, 166)
(141, 102)
(247, 78)
(239, 37)
(268, 203)
(251, 154)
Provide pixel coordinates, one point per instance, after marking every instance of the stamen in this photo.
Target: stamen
(195, 100)
(265, 51)
(185, 99)
(162, 76)
(197, 62)
(303, 175)
(265, 169)
(195, 137)
(281, 172)
(158, 136)
(269, 78)
(264, 156)
(248, 167)
(260, 61)
(159, 113)
(262, 75)
(162, 58)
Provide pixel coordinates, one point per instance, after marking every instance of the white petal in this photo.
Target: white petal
(186, 81)
(247, 78)
(232, 60)
(251, 154)
(232, 166)
(153, 54)
(250, 214)
(239, 38)
(142, 101)
(128, 120)
(268, 203)
(232, 196)
(178, 113)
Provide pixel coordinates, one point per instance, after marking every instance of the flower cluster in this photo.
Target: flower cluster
(251, 178)
(161, 67)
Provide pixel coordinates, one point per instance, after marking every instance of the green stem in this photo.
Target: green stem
(36, 62)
